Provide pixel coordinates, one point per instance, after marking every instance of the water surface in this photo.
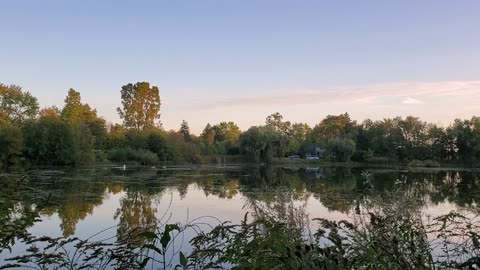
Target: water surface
(83, 202)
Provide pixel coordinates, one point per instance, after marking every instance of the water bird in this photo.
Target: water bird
(124, 167)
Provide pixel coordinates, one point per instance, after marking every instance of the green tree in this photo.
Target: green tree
(275, 121)
(299, 131)
(84, 143)
(414, 135)
(116, 136)
(49, 141)
(333, 127)
(136, 139)
(208, 134)
(382, 137)
(75, 111)
(294, 135)
(467, 135)
(157, 143)
(81, 116)
(183, 151)
(185, 131)
(50, 112)
(228, 132)
(98, 129)
(16, 106)
(340, 149)
(140, 105)
(439, 143)
(262, 144)
(11, 143)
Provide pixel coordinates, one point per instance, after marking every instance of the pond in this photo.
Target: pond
(105, 202)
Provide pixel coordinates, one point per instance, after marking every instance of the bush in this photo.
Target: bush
(100, 156)
(381, 160)
(362, 155)
(157, 144)
(416, 163)
(431, 163)
(50, 142)
(140, 156)
(137, 139)
(84, 142)
(426, 163)
(11, 145)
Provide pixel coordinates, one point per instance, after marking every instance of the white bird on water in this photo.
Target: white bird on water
(124, 167)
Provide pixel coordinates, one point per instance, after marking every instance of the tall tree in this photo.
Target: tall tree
(80, 115)
(140, 105)
(208, 134)
(185, 130)
(299, 131)
(276, 122)
(332, 127)
(263, 143)
(50, 112)
(228, 132)
(467, 134)
(74, 111)
(16, 106)
(413, 138)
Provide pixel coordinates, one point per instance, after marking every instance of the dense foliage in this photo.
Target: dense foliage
(75, 134)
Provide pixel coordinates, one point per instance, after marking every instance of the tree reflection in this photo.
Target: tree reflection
(73, 197)
(136, 212)
(17, 210)
(268, 191)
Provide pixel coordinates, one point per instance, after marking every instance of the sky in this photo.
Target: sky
(241, 61)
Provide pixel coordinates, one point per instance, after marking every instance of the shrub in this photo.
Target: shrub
(84, 142)
(11, 145)
(425, 163)
(381, 160)
(431, 163)
(362, 155)
(416, 163)
(127, 154)
(157, 144)
(50, 142)
(100, 156)
(137, 139)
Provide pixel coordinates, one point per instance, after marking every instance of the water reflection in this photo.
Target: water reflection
(77, 194)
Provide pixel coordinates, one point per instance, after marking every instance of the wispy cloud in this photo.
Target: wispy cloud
(410, 100)
(406, 93)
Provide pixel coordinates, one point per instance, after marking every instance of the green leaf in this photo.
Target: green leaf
(165, 239)
(166, 234)
(144, 262)
(149, 235)
(153, 247)
(183, 260)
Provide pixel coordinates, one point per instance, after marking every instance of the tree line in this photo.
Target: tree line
(76, 134)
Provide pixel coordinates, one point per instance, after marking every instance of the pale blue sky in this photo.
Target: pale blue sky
(242, 60)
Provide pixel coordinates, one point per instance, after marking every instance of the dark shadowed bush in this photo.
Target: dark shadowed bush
(49, 141)
(11, 145)
(425, 163)
(140, 156)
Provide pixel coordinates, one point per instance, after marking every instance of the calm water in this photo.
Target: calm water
(86, 201)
